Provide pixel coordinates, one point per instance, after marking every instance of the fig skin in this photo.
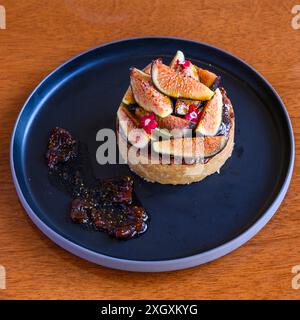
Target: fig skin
(192, 71)
(192, 148)
(176, 84)
(206, 77)
(129, 127)
(179, 59)
(173, 122)
(147, 96)
(128, 97)
(211, 116)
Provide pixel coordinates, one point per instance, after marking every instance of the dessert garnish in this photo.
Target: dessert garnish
(185, 64)
(107, 205)
(148, 122)
(192, 114)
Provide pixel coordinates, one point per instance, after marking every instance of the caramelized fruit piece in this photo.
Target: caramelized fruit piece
(197, 147)
(147, 96)
(158, 133)
(177, 85)
(173, 122)
(128, 97)
(117, 190)
(214, 145)
(206, 77)
(129, 126)
(61, 147)
(216, 84)
(183, 147)
(211, 116)
(121, 223)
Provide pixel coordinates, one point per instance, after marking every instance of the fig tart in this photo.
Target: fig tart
(175, 123)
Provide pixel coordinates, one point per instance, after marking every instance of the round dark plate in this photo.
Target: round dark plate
(189, 224)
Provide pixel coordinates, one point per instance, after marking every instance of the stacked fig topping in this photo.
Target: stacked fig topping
(179, 101)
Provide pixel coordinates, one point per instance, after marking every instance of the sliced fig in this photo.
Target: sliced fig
(182, 106)
(216, 84)
(214, 145)
(179, 58)
(179, 64)
(173, 122)
(130, 128)
(211, 116)
(159, 133)
(206, 77)
(197, 147)
(176, 84)
(147, 96)
(182, 147)
(128, 97)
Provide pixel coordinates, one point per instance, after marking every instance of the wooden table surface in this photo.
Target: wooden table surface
(39, 36)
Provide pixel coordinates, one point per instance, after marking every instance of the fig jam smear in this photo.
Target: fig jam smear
(109, 205)
(121, 223)
(61, 147)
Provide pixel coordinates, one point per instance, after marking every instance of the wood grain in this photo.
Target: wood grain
(40, 35)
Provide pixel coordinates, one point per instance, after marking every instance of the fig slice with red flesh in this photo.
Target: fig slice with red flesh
(129, 127)
(211, 116)
(193, 148)
(176, 126)
(214, 145)
(128, 97)
(176, 84)
(188, 69)
(182, 147)
(206, 77)
(147, 96)
(173, 122)
(176, 63)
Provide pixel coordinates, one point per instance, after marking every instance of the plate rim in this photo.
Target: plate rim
(157, 265)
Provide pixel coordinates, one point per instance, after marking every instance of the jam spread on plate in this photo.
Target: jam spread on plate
(107, 205)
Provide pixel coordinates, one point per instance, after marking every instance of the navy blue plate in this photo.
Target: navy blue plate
(190, 224)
